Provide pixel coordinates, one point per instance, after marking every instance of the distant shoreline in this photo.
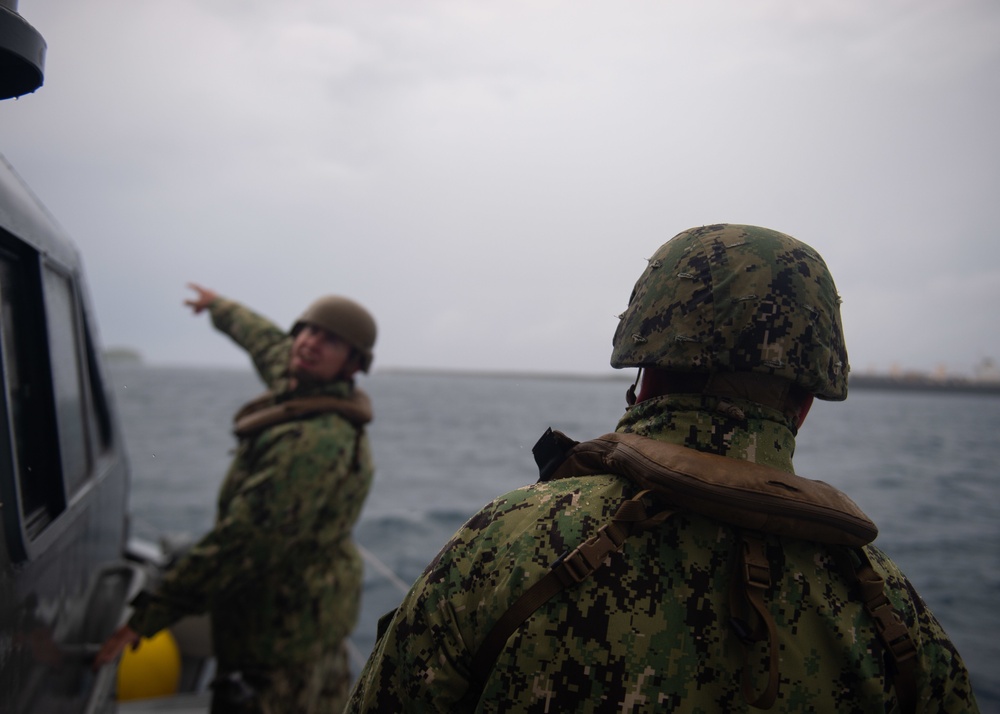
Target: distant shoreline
(115, 362)
(923, 384)
(908, 383)
(507, 374)
(866, 381)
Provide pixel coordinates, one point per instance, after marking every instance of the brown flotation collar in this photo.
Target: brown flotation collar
(754, 498)
(740, 493)
(262, 412)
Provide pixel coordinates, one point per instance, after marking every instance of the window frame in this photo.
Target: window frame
(28, 400)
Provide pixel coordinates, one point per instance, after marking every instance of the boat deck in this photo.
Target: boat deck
(197, 698)
(177, 704)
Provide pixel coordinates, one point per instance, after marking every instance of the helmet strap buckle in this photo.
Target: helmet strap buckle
(630, 394)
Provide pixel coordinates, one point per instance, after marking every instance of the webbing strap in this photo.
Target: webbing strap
(891, 630)
(755, 569)
(570, 568)
(851, 528)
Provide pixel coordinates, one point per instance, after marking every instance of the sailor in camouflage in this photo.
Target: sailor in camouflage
(735, 329)
(279, 572)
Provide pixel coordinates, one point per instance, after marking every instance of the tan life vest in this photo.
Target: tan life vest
(754, 498)
(263, 412)
(740, 493)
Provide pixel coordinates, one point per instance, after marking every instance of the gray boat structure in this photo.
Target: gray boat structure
(67, 567)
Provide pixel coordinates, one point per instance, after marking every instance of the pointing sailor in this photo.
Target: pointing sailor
(279, 572)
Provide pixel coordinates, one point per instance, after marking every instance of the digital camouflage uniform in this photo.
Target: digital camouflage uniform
(650, 630)
(279, 572)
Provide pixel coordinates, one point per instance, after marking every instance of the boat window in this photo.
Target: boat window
(67, 378)
(101, 410)
(31, 469)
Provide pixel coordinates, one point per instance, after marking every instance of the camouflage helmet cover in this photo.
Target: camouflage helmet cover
(736, 298)
(346, 319)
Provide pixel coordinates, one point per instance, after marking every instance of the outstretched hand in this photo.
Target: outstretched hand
(123, 637)
(204, 299)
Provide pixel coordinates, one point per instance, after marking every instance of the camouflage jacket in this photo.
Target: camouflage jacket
(278, 572)
(650, 630)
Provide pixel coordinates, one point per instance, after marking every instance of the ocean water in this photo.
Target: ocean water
(923, 466)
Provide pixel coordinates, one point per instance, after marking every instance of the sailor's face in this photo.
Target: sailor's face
(318, 355)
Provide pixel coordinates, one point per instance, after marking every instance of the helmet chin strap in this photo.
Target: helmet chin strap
(630, 394)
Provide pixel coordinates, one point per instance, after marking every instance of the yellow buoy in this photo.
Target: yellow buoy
(153, 669)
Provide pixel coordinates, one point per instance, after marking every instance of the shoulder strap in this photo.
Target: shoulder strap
(260, 413)
(570, 568)
(748, 587)
(554, 450)
(895, 636)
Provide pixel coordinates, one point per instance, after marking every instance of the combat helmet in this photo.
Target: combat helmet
(737, 298)
(346, 319)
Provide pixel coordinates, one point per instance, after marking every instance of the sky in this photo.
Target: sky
(489, 177)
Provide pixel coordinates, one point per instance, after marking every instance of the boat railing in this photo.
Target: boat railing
(358, 658)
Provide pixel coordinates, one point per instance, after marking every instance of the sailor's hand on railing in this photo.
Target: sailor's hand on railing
(123, 637)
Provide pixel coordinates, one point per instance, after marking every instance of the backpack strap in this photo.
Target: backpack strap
(729, 491)
(895, 636)
(749, 589)
(570, 568)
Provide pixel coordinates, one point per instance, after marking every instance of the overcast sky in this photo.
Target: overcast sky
(489, 177)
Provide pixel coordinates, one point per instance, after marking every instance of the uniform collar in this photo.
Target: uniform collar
(736, 428)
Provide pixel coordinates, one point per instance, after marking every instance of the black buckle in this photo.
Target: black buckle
(743, 631)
